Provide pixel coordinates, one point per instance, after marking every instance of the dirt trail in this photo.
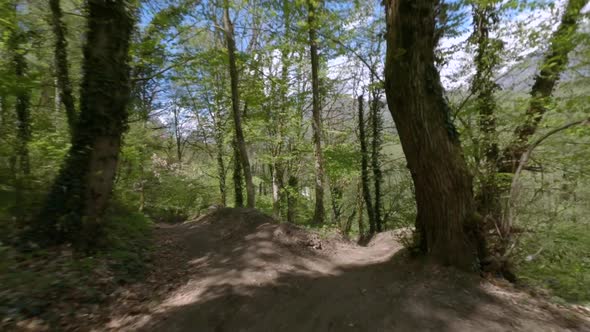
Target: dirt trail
(237, 270)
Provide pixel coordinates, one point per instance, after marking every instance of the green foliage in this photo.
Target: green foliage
(562, 260)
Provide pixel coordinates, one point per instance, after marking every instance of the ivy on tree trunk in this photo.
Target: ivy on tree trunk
(446, 218)
(551, 67)
(61, 62)
(81, 192)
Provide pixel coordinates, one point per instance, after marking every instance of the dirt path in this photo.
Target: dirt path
(235, 270)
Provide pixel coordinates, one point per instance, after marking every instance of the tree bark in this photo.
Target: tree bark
(277, 174)
(81, 192)
(293, 188)
(278, 167)
(23, 104)
(319, 212)
(61, 63)
(336, 193)
(365, 168)
(359, 207)
(551, 67)
(221, 167)
(235, 97)
(443, 186)
(177, 134)
(237, 177)
(376, 142)
(21, 163)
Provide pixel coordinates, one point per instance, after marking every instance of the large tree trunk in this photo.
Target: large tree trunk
(319, 212)
(82, 190)
(365, 168)
(483, 88)
(61, 63)
(551, 67)
(235, 98)
(443, 186)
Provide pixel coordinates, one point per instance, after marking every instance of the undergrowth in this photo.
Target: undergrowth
(557, 258)
(44, 283)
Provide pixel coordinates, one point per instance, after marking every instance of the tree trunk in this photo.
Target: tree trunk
(237, 177)
(61, 63)
(235, 97)
(377, 128)
(178, 135)
(292, 198)
(17, 40)
(277, 174)
(551, 67)
(319, 213)
(336, 193)
(483, 87)
(83, 187)
(359, 207)
(443, 186)
(365, 168)
(23, 103)
(221, 169)
(278, 167)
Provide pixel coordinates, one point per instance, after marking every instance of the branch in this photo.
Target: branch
(358, 56)
(164, 70)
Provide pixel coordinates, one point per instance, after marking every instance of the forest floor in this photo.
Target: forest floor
(237, 270)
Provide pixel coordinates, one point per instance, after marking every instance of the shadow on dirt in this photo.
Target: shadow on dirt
(245, 273)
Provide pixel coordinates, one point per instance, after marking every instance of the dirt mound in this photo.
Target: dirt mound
(239, 270)
(243, 223)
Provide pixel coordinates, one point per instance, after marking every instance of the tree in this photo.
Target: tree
(80, 194)
(17, 47)
(237, 175)
(240, 143)
(483, 87)
(61, 62)
(446, 219)
(319, 212)
(376, 121)
(551, 67)
(365, 168)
